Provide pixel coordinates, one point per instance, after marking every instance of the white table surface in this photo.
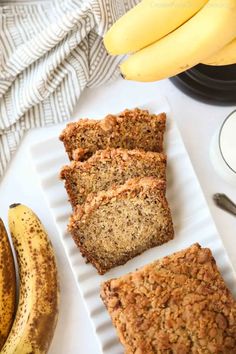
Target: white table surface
(197, 123)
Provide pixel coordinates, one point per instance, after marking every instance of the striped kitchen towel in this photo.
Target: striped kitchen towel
(49, 52)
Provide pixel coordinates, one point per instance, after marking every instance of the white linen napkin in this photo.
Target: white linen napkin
(49, 52)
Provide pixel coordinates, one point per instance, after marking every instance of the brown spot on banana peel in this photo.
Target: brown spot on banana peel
(41, 330)
(185, 67)
(37, 312)
(125, 77)
(7, 286)
(182, 69)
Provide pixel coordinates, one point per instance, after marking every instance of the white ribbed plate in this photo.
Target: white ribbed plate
(192, 221)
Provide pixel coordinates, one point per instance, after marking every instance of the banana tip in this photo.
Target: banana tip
(122, 75)
(14, 205)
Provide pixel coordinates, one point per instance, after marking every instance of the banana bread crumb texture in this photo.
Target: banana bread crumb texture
(131, 129)
(110, 167)
(178, 304)
(114, 226)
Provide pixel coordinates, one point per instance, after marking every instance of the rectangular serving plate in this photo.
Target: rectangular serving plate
(191, 218)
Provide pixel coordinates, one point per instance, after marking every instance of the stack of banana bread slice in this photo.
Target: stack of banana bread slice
(116, 184)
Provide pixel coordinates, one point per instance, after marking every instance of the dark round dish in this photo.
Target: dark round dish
(211, 84)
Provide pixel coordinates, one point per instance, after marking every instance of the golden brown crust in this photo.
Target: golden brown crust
(110, 167)
(113, 153)
(178, 304)
(130, 129)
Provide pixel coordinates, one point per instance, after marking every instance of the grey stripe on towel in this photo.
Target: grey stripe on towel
(49, 52)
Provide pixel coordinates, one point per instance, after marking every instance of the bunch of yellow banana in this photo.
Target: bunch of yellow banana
(37, 311)
(166, 37)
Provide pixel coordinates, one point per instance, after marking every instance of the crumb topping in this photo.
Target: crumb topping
(179, 304)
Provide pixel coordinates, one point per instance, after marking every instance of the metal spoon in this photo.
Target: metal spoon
(223, 202)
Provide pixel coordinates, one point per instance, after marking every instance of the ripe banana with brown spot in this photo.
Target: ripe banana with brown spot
(37, 312)
(147, 22)
(200, 37)
(7, 286)
(226, 56)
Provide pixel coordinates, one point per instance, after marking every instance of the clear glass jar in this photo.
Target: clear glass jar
(223, 150)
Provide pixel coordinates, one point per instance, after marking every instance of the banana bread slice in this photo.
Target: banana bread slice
(131, 129)
(108, 167)
(178, 304)
(114, 226)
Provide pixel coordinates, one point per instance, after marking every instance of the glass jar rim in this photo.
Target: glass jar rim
(219, 139)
